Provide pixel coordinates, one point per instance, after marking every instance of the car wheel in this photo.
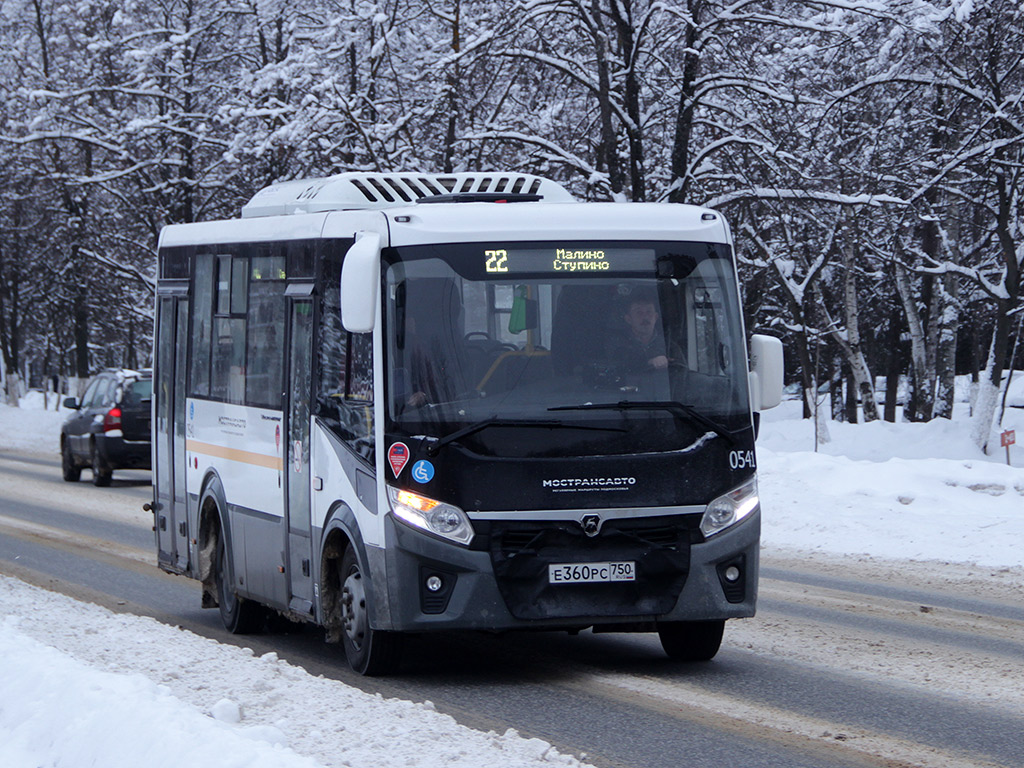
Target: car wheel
(101, 471)
(369, 651)
(240, 616)
(691, 640)
(71, 471)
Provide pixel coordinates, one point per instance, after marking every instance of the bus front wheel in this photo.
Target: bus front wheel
(691, 640)
(369, 651)
(240, 616)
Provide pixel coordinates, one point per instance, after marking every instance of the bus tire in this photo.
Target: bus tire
(369, 651)
(240, 616)
(101, 471)
(691, 640)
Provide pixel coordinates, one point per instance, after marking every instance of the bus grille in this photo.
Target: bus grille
(521, 554)
(681, 531)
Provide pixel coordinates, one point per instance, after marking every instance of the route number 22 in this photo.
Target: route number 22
(496, 260)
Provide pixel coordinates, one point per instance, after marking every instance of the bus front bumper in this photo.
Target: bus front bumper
(435, 585)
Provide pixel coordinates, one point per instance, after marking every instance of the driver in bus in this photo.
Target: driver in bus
(641, 345)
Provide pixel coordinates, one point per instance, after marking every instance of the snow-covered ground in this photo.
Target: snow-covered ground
(893, 491)
(81, 686)
(68, 670)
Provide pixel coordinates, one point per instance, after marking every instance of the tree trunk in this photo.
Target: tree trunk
(943, 311)
(945, 351)
(835, 390)
(807, 382)
(80, 323)
(894, 368)
(452, 88)
(13, 383)
(919, 403)
(992, 379)
(988, 390)
(685, 110)
(622, 12)
(851, 345)
(851, 396)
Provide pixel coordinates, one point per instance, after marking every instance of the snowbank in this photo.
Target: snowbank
(32, 428)
(895, 491)
(80, 686)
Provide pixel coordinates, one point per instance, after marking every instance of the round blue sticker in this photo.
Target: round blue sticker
(422, 471)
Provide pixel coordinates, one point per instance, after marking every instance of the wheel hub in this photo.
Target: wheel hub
(353, 608)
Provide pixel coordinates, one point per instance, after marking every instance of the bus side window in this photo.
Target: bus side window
(266, 313)
(202, 324)
(707, 319)
(358, 396)
(227, 377)
(345, 371)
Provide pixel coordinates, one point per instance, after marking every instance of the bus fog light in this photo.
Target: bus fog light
(431, 515)
(729, 508)
(434, 584)
(732, 573)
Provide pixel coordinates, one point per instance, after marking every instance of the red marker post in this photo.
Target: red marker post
(1006, 439)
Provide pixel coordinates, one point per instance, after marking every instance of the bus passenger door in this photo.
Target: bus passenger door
(171, 513)
(297, 491)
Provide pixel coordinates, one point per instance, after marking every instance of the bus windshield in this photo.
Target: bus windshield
(542, 349)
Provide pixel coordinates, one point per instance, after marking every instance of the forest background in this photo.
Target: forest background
(868, 154)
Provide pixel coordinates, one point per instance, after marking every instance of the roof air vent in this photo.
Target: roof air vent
(368, 191)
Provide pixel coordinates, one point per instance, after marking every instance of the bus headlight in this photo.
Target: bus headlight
(728, 509)
(429, 515)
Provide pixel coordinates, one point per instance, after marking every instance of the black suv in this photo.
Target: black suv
(109, 429)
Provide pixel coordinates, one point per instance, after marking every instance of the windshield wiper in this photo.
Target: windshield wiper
(672, 406)
(494, 421)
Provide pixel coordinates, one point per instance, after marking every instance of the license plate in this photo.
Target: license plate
(586, 573)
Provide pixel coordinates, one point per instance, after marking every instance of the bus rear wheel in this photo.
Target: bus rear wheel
(691, 640)
(240, 616)
(369, 651)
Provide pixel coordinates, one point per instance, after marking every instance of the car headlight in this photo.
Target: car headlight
(729, 508)
(430, 515)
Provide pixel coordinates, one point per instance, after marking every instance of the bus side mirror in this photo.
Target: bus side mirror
(766, 372)
(360, 280)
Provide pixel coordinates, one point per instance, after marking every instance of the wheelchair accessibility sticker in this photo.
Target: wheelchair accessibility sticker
(422, 471)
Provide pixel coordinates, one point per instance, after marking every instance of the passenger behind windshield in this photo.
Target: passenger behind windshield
(429, 341)
(427, 373)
